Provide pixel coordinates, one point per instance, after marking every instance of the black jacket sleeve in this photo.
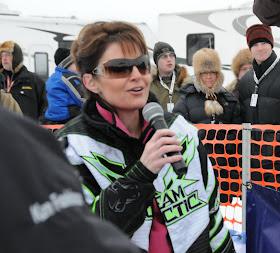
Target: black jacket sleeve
(126, 200)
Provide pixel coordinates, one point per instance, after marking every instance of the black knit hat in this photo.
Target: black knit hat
(259, 33)
(17, 56)
(161, 48)
(63, 58)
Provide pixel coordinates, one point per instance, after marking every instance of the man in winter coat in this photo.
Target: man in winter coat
(64, 90)
(259, 90)
(168, 78)
(27, 88)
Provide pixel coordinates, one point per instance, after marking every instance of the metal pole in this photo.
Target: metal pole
(246, 152)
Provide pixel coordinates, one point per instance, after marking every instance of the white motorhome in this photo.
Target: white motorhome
(39, 37)
(223, 30)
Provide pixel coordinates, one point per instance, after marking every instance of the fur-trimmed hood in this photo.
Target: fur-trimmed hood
(17, 56)
(207, 59)
(182, 76)
(244, 56)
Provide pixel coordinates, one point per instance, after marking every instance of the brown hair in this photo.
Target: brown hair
(94, 39)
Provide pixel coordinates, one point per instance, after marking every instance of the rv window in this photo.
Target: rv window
(65, 43)
(196, 42)
(41, 65)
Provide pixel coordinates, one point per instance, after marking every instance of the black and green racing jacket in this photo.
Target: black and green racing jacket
(120, 189)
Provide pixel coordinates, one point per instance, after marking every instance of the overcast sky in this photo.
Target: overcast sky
(127, 10)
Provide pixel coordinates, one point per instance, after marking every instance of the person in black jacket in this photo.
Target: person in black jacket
(206, 101)
(42, 204)
(27, 88)
(259, 89)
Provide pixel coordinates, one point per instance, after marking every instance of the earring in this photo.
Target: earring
(96, 91)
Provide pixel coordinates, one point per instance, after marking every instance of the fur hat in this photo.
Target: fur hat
(243, 57)
(259, 33)
(17, 56)
(63, 58)
(207, 59)
(161, 48)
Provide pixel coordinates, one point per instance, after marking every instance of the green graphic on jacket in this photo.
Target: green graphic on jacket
(188, 149)
(174, 203)
(102, 164)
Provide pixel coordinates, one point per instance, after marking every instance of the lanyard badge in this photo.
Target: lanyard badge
(170, 105)
(9, 84)
(254, 100)
(254, 96)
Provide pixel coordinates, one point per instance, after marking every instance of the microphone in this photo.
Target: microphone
(153, 113)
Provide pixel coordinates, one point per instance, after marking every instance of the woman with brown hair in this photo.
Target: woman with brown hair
(127, 178)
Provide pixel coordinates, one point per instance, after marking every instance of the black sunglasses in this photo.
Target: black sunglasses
(122, 68)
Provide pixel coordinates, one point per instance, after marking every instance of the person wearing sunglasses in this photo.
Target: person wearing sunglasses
(127, 179)
(206, 100)
(168, 77)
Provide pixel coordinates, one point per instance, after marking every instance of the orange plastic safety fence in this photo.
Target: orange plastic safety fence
(223, 144)
(265, 155)
(52, 127)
